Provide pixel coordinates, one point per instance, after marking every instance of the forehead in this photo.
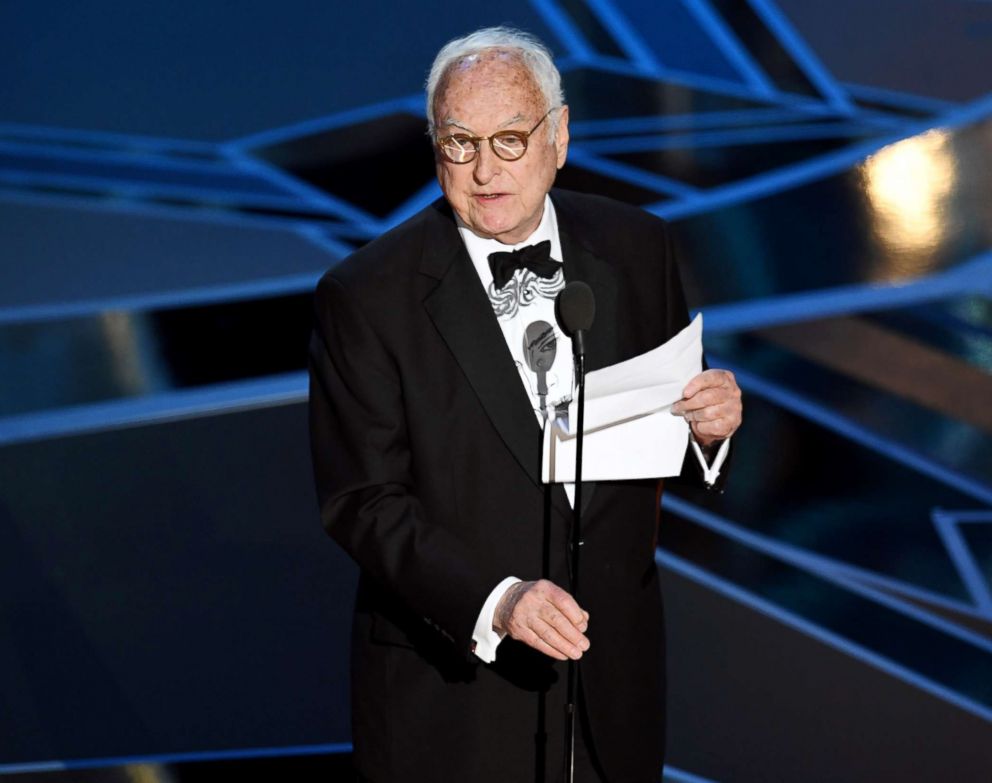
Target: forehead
(490, 83)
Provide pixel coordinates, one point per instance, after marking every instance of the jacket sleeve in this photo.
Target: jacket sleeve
(678, 318)
(364, 475)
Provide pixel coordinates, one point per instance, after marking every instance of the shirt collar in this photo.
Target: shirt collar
(479, 248)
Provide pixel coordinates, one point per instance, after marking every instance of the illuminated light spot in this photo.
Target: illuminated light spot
(909, 185)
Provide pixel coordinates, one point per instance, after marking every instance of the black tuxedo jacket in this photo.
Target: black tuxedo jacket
(427, 458)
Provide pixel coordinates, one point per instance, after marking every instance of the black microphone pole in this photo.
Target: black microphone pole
(576, 309)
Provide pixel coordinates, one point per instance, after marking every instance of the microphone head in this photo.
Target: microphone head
(540, 346)
(575, 307)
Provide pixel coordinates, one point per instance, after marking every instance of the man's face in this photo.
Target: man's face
(497, 198)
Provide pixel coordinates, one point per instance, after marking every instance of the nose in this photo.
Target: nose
(486, 164)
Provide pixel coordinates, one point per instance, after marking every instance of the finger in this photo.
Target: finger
(712, 413)
(539, 634)
(564, 603)
(713, 395)
(563, 627)
(558, 642)
(706, 431)
(531, 639)
(703, 380)
(708, 379)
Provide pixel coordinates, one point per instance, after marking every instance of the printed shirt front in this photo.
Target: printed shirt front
(525, 299)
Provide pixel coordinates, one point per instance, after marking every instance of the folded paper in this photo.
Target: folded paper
(630, 432)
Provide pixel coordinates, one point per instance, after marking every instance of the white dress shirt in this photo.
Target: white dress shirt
(524, 299)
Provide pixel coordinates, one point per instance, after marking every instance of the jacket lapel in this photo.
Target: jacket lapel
(463, 316)
(583, 263)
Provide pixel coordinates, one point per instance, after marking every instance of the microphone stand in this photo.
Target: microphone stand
(571, 711)
(575, 308)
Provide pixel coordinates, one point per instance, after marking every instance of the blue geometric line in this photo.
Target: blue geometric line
(973, 276)
(350, 232)
(698, 81)
(319, 236)
(174, 758)
(970, 516)
(568, 62)
(199, 194)
(624, 35)
(961, 115)
(898, 123)
(144, 158)
(849, 648)
(774, 181)
(852, 431)
(834, 570)
(561, 24)
(212, 400)
(140, 173)
(815, 168)
(958, 116)
(729, 44)
(109, 139)
(946, 523)
(955, 321)
(698, 121)
(731, 118)
(903, 100)
(631, 174)
(184, 297)
(310, 194)
(428, 194)
(329, 749)
(849, 573)
(327, 242)
(128, 185)
(681, 776)
(819, 566)
(204, 213)
(808, 62)
(407, 104)
(766, 134)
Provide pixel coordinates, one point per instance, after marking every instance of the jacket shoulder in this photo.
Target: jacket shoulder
(605, 210)
(393, 257)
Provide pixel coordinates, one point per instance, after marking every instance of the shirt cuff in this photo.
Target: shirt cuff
(485, 639)
(711, 472)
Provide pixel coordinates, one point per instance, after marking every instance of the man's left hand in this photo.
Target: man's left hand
(711, 403)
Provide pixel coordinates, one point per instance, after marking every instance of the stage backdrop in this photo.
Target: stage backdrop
(174, 177)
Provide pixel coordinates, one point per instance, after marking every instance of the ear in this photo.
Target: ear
(561, 136)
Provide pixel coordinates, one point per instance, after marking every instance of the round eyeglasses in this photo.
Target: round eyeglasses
(507, 145)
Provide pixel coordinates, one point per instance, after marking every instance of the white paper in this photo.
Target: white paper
(630, 432)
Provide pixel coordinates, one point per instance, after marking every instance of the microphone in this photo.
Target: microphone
(540, 348)
(575, 308)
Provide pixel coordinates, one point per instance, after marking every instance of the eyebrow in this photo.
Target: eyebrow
(451, 121)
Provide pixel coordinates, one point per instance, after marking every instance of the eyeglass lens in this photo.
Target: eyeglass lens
(506, 144)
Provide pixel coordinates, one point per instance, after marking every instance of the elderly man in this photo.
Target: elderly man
(426, 435)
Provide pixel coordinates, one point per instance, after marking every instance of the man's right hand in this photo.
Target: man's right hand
(542, 615)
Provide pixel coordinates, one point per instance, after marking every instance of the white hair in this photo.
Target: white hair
(533, 55)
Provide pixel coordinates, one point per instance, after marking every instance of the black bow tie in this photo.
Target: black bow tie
(536, 258)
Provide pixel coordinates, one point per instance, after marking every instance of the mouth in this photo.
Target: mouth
(489, 198)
